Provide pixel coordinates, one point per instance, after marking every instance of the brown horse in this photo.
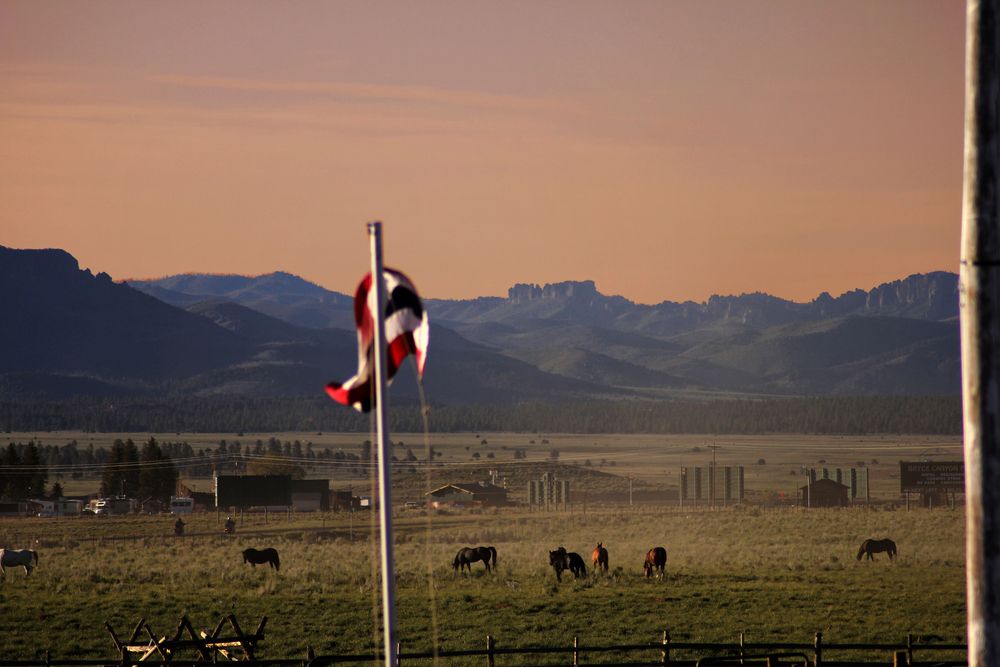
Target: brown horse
(600, 557)
(656, 559)
(259, 557)
(869, 547)
(560, 560)
(469, 555)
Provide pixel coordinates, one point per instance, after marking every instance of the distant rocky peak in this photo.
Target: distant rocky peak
(570, 289)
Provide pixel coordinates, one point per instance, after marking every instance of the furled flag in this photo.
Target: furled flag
(406, 331)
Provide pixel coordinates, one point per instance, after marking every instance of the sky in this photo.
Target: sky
(668, 150)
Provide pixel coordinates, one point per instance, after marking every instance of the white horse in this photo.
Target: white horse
(17, 558)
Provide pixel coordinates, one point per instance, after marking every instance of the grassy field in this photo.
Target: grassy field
(774, 574)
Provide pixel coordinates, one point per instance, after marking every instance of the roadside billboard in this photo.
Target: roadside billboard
(917, 476)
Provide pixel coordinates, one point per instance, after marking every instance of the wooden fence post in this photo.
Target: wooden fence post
(909, 648)
(576, 651)
(489, 651)
(899, 659)
(665, 651)
(399, 647)
(742, 651)
(818, 649)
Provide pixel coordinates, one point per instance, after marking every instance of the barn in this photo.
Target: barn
(824, 493)
(474, 494)
(309, 495)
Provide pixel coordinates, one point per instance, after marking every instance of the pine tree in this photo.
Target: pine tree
(9, 487)
(112, 476)
(37, 474)
(130, 475)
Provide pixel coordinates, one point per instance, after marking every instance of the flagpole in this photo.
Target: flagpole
(384, 448)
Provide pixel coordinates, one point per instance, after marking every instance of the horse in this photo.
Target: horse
(466, 556)
(561, 560)
(258, 557)
(17, 558)
(870, 547)
(600, 557)
(656, 559)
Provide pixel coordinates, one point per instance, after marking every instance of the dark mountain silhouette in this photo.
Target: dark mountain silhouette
(64, 320)
(279, 335)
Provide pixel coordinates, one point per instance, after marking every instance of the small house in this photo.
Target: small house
(474, 494)
(824, 493)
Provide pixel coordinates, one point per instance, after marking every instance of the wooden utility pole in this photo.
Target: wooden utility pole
(979, 305)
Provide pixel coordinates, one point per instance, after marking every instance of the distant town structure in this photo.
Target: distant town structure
(475, 494)
(548, 493)
(271, 492)
(824, 492)
(57, 507)
(855, 479)
(713, 485)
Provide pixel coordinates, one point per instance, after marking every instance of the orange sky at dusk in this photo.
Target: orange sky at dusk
(666, 150)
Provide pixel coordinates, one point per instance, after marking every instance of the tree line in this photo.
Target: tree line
(152, 471)
(841, 415)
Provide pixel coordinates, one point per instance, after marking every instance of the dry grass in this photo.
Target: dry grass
(777, 575)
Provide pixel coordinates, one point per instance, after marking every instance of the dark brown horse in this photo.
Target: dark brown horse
(260, 556)
(870, 547)
(26, 558)
(656, 559)
(469, 555)
(561, 560)
(600, 557)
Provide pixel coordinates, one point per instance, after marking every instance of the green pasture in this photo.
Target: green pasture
(777, 575)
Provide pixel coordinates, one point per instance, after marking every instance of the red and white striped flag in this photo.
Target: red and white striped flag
(406, 331)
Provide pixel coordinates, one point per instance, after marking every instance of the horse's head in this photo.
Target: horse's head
(647, 569)
(556, 557)
(861, 551)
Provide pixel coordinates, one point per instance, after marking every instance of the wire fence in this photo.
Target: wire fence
(664, 652)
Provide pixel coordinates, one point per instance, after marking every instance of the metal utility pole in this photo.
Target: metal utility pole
(979, 307)
(384, 446)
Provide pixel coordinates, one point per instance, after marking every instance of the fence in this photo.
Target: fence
(665, 652)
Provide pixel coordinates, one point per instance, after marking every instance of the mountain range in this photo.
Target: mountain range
(72, 332)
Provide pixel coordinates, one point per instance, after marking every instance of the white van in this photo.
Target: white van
(181, 505)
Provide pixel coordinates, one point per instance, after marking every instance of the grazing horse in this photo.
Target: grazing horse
(258, 557)
(656, 559)
(600, 557)
(469, 555)
(561, 560)
(869, 547)
(17, 558)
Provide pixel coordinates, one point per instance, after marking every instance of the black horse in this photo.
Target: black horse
(469, 555)
(561, 560)
(258, 557)
(869, 547)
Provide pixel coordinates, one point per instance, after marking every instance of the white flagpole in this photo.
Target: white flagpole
(384, 448)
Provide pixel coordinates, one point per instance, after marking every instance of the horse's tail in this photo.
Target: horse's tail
(277, 561)
(34, 556)
(493, 552)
